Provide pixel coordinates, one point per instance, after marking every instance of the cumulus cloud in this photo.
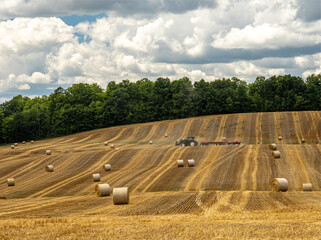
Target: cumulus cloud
(198, 39)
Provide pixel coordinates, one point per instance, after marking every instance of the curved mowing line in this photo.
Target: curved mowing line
(221, 128)
(71, 179)
(258, 128)
(151, 132)
(256, 167)
(239, 130)
(159, 172)
(297, 126)
(244, 180)
(118, 135)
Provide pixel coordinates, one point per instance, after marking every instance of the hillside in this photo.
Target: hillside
(225, 178)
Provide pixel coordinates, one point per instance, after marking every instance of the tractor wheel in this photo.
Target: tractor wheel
(192, 144)
(183, 145)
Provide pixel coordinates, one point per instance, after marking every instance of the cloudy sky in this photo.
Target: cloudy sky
(45, 44)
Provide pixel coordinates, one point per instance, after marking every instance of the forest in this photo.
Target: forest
(84, 106)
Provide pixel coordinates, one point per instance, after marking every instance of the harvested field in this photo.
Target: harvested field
(228, 183)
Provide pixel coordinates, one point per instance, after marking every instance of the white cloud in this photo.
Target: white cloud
(264, 36)
(243, 38)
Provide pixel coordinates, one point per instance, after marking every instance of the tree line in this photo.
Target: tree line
(84, 107)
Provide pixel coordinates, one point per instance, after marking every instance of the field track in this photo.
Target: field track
(228, 178)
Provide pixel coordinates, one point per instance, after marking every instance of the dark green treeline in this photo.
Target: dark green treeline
(87, 106)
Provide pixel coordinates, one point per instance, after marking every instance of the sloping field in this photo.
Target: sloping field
(227, 179)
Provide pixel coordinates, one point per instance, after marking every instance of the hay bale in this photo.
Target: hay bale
(302, 140)
(102, 189)
(276, 154)
(191, 162)
(116, 148)
(16, 144)
(96, 177)
(280, 138)
(279, 184)
(107, 167)
(166, 135)
(180, 163)
(23, 142)
(273, 146)
(32, 141)
(106, 143)
(48, 152)
(121, 195)
(10, 182)
(150, 142)
(224, 139)
(49, 168)
(112, 146)
(307, 186)
(12, 146)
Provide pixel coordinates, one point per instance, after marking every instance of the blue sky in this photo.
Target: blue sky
(47, 44)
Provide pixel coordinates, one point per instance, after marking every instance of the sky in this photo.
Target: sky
(46, 44)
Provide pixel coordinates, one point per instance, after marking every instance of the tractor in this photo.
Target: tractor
(190, 141)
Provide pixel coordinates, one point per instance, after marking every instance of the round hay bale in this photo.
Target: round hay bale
(23, 142)
(16, 144)
(273, 146)
(12, 146)
(10, 182)
(302, 140)
(276, 154)
(106, 143)
(279, 184)
(180, 163)
(280, 138)
(112, 146)
(49, 168)
(102, 189)
(107, 167)
(307, 186)
(224, 139)
(32, 141)
(150, 142)
(96, 177)
(166, 135)
(121, 195)
(48, 152)
(191, 162)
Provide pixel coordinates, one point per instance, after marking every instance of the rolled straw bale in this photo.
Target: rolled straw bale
(121, 195)
(96, 177)
(191, 162)
(16, 144)
(166, 135)
(102, 189)
(276, 154)
(49, 168)
(279, 184)
(32, 141)
(302, 140)
(48, 152)
(23, 142)
(273, 146)
(112, 146)
(107, 167)
(106, 143)
(180, 163)
(10, 182)
(150, 142)
(280, 138)
(12, 146)
(307, 186)
(224, 139)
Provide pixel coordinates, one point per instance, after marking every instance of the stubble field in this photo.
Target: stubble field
(226, 195)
